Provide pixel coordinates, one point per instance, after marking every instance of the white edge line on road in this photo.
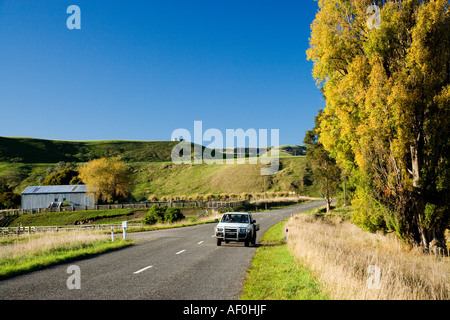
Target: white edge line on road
(143, 269)
(180, 251)
(200, 242)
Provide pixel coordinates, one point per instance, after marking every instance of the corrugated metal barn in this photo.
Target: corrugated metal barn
(46, 196)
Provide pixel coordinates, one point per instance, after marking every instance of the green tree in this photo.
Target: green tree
(63, 177)
(9, 199)
(387, 115)
(325, 170)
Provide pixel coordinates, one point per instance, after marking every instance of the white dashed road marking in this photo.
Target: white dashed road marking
(143, 269)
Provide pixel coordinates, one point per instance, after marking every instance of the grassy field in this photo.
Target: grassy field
(345, 259)
(38, 251)
(276, 274)
(76, 217)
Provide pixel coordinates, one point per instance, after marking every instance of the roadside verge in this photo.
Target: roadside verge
(276, 274)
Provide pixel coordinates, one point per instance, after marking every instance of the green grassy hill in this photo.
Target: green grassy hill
(29, 150)
(23, 161)
(168, 179)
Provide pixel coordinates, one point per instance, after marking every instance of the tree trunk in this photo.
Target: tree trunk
(418, 208)
(432, 237)
(328, 201)
(416, 150)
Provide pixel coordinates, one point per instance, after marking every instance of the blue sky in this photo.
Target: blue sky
(138, 70)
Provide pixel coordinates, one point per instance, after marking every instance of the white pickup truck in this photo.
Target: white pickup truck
(237, 227)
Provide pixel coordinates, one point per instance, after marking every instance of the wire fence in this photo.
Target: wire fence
(137, 205)
(20, 230)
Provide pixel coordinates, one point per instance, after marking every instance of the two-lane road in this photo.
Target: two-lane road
(181, 264)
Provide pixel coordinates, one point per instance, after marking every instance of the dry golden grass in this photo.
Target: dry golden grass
(31, 252)
(340, 255)
(47, 241)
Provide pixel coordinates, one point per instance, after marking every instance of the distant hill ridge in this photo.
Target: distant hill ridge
(33, 150)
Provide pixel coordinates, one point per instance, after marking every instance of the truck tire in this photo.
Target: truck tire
(219, 242)
(254, 239)
(247, 243)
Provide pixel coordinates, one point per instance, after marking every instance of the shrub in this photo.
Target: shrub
(245, 195)
(198, 197)
(162, 214)
(65, 203)
(208, 197)
(150, 218)
(172, 215)
(155, 214)
(223, 196)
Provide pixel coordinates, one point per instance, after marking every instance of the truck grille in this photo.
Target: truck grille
(231, 233)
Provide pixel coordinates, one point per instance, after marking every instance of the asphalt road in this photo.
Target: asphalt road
(175, 264)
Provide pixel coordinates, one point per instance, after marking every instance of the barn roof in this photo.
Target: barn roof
(55, 189)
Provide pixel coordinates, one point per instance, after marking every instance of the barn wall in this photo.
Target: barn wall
(42, 200)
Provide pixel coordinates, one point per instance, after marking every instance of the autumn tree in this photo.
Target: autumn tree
(326, 172)
(108, 179)
(64, 177)
(387, 115)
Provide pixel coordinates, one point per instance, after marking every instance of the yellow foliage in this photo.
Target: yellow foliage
(107, 178)
(387, 97)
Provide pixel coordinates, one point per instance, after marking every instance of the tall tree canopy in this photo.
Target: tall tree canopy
(107, 178)
(387, 115)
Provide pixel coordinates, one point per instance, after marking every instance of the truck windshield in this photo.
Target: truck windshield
(235, 218)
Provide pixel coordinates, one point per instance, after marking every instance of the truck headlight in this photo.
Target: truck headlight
(244, 230)
(219, 229)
